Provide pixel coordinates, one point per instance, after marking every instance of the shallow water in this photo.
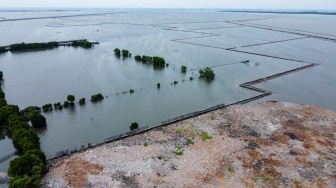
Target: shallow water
(48, 76)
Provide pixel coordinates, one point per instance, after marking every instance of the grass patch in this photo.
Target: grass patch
(181, 130)
(145, 144)
(212, 117)
(179, 150)
(205, 136)
(231, 170)
(161, 142)
(265, 178)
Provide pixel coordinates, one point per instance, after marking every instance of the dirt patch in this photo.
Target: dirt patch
(77, 172)
(271, 144)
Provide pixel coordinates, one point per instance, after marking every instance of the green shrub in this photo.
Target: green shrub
(205, 136)
(138, 58)
(82, 101)
(117, 51)
(158, 85)
(184, 68)
(24, 181)
(6, 111)
(97, 97)
(158, 61)
(38, 120)
(179, 150)
(27, 139)
(58, 105)
(207, 73)
(71, 98)
(125, 53)
(28, 112)
(47, 107)
(66, 104)
(134, 125)
(84, 44)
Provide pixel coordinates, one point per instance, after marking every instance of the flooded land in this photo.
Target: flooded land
(290, 55)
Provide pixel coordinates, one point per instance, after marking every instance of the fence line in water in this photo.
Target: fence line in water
(8, 156)
(4, 180)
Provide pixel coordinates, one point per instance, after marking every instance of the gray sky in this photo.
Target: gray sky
(252, 4)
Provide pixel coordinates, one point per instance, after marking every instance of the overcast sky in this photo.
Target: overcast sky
(250, 4)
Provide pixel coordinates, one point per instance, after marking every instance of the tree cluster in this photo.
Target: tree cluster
(207, 73)
(123, 52)
(157, 61)
(58, 106)
(47, 107)
(71, 99)
(84, 44)
(97, 97)
(32, 46)
(1, 75)
(26, 169)
(28, 112)
(117, 51)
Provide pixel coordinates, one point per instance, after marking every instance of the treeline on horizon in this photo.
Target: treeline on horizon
(53, 44)
(32, 46)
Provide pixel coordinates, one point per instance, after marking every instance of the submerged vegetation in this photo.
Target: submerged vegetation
(58, 106)
(156, 61)
(123, 52)
(97, 97)
(183, 68)
(82, 101)
(207, 73)
(47, 107)
(84, 44)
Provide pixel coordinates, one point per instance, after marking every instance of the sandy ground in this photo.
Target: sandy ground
(272, 144)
